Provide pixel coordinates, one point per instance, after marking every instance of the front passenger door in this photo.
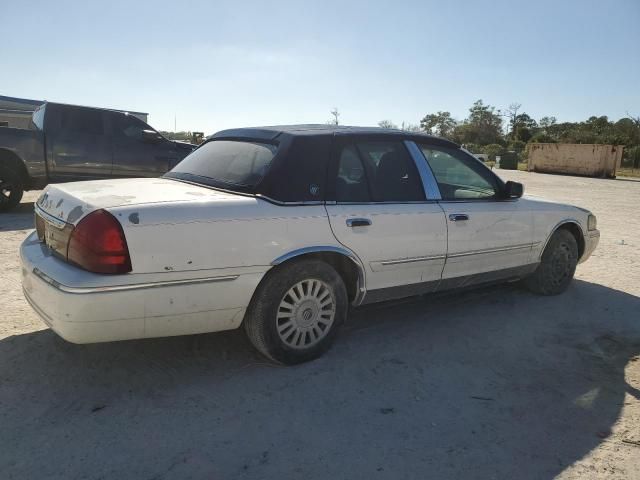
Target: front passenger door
(137, 156)
(382, 214)
(486, 232)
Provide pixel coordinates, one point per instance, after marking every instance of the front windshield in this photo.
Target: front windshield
(227, 164)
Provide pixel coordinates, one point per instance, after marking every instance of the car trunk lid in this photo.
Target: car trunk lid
(70, 202)
(62, 206)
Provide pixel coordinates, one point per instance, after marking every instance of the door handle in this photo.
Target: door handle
(458, 217)
(358, 222)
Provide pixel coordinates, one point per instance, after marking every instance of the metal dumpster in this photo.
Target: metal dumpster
(507, 161)
(575, 159)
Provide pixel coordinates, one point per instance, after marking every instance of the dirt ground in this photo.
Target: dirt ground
(493, 383)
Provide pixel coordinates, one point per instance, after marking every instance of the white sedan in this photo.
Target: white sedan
(280, 229)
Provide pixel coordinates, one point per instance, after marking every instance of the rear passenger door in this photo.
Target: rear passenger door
(77, 146)
(379, 210)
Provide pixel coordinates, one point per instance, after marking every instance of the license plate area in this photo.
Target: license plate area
(52, 232)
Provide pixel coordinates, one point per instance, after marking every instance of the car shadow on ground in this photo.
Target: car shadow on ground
(493, 383)
(19, 218)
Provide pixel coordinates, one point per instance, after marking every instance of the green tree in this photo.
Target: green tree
(492, 150)
(183, 136)
(440, 123)
(517, 146)
(632, 157)
(483, 126)
(512, 114)
(387, 124)
(335, 113)
(546, 122)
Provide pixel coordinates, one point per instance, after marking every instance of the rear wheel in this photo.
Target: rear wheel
(11, 188)
(557, 265)
(296, 312)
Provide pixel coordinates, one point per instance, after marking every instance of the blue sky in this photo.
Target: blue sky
(222, 64)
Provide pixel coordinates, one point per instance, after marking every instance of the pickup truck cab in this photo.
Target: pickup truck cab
(68, 143)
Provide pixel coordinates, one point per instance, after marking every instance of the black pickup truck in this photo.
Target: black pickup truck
(67, 143)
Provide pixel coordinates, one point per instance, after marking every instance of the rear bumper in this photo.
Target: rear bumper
(81, 308)
(591, 240)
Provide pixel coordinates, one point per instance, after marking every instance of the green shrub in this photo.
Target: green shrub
(492, 150)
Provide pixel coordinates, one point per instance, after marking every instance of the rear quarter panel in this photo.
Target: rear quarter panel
(242, 233)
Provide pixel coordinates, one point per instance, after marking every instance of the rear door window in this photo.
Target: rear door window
(78, 120)
(377, 171)
(352, 184)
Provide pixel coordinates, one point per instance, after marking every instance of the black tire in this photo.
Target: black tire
(557, 265)
(11, 188)
(261, 322)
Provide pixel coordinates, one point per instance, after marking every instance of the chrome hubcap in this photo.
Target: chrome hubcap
(306, 313)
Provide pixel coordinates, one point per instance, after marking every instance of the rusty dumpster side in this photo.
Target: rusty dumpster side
(575, 159)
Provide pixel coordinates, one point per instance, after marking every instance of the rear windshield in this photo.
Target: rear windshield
(38, 118)
(227, 164)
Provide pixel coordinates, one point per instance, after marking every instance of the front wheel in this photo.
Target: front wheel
(557, 265)
(11, 188)
(297, 311)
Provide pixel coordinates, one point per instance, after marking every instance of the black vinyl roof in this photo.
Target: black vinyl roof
(272, 132)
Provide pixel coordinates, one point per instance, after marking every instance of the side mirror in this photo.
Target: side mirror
(151, 136)
(513, 189)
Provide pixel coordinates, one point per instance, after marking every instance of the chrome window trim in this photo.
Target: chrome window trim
(134, 286)
(409, 202)
(360, 287)
(431, 189)
(287, 204)
(476, 200)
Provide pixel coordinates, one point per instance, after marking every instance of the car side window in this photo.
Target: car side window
(392, 174)
(384, 167)
(82, 121)
(127, 126)
(351, 184)
(459, 176)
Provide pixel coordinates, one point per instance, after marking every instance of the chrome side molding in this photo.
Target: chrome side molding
(494, 250)
(414, 259)
(134, 286)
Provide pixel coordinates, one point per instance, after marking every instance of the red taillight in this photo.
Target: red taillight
(97, 244)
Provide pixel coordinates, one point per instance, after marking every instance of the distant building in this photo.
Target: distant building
(16, 112)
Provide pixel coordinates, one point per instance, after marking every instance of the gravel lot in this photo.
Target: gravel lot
(493, 383)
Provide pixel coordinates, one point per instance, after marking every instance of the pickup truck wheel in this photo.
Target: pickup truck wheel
(11, 188)
(557, 265)
(296, 312)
